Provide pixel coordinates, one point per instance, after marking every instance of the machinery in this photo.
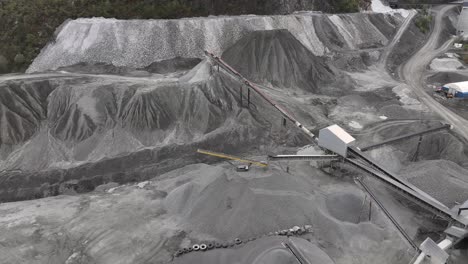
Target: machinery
(241, 168)
(393, 3)
(458, 90)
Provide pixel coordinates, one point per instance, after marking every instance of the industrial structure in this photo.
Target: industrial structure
(455, 90)
(336, 139)
(250, 85)
(244, 167)
(456, 217)
(341, 146)
(407, 136)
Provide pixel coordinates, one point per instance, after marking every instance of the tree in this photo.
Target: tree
(347, 6)
(19, 58)
(3, 64)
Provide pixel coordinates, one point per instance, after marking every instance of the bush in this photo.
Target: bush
(19, 58)
(26, 25)
(423, 22)
(465, 58)
(347, 6)
(3, 64)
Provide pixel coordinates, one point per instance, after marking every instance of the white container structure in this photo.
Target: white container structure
(336, 139)
(458, 90)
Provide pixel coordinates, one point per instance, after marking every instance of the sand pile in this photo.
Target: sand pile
(139, 43)
(446, 64)
(148, 222)
(78, 119)
(446, 181)
(277, 57)
(22, 107)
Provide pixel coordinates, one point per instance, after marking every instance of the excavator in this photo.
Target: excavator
(240, 168)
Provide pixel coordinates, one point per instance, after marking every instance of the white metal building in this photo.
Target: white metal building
(459, 89)
(336, 139)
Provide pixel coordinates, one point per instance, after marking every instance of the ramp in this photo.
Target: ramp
(408, 136)
(304, 157)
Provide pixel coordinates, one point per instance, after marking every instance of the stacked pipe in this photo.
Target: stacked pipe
(209, 245)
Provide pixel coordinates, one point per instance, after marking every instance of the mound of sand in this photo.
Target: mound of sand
(446, 64)
(277, 57)
(444, 180)
(148, 222)
(81, 119)
(346, 207)
(172, 65)
(138, 43)
(22, 108)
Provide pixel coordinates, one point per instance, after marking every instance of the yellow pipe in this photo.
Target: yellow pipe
(226, 156)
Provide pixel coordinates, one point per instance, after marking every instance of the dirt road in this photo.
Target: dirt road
(64, 74)
(389, 48)
(413, 72)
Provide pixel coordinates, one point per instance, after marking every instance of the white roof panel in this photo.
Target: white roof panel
(459, 86)
(430, 248)
(341, 133)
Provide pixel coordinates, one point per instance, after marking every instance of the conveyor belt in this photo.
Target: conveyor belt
(389, 216)
(358, 154)
(296, 252)
(231, 157)
(410, 194)
(391, 140)
(304, 157)
(252, 86)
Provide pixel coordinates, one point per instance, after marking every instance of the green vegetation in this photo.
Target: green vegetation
(463, 55)
(27, 25)
(347, 6)
(424, 20)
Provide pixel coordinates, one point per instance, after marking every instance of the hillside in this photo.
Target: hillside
(22, 39)
(276, 56)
